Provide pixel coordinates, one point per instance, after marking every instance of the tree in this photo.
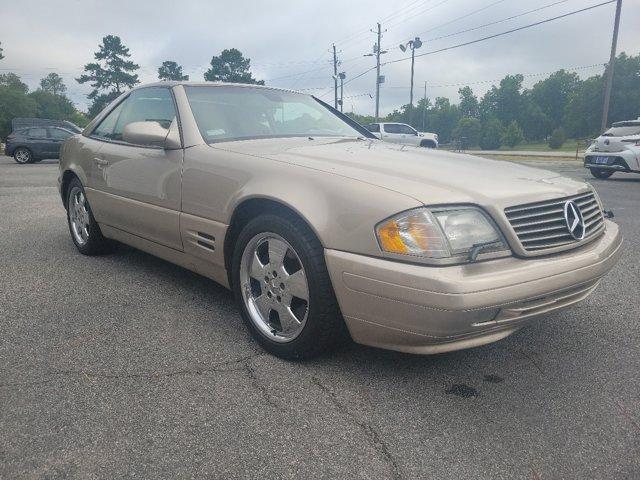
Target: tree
(468, 131)
(491, 134)
(512, 135)
(468, 102)
(558, 137)
(54, 84)
(551, 95)
(504, 102)
(1, 55)
(50, 105)
(13, 81)
(231, 66)
(170, 70)
(14, 102)
(111, 74)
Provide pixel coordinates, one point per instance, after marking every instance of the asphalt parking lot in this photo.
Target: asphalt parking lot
(128, 366)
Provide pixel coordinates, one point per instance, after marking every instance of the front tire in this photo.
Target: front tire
(601, 174)
(283, 289)
(85, 231)
(23, 156)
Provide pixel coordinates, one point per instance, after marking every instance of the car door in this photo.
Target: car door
(409, 136)
(38, 142)
(136, 188)
(391, 132)
(56, 137)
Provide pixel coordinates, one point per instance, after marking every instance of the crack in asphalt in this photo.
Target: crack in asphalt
(370, 432)
(218, 367)
(257, 385)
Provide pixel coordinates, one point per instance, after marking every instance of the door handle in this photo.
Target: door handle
(101, 162)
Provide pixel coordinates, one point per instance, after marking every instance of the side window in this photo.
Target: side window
(374, 127)
(407, 130)
(105, 129)
(392, 128)
(146, 105)
(59, 134)
(37, 133)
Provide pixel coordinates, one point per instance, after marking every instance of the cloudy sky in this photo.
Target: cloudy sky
(289, 42)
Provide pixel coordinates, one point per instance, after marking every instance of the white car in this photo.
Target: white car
(616, 150)
(403, 134)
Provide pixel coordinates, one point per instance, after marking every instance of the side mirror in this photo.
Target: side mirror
(152, 134)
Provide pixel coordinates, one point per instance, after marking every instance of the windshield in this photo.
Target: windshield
(237, 113)
(622, 131)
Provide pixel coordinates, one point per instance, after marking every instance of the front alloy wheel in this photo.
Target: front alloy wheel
(274, 287)
(281, 283)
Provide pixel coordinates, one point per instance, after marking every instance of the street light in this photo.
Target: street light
(412, 44)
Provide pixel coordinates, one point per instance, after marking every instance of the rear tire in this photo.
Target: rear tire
(601, 174)
(262, 298)
(85, 231)
(23, 156)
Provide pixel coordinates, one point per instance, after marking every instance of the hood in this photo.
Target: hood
(430, 176)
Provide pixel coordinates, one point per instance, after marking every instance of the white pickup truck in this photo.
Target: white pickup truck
(616, 150)
(403, 134)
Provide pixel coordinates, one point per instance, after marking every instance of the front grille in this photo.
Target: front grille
(542, 226)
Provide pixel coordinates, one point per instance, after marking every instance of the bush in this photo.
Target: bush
(468, 129)
(557, 139)
(513, 135)
(491, 135)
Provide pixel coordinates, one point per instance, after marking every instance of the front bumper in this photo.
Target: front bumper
(424, 309)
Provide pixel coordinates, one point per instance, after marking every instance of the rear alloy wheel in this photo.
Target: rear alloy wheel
(84, 229)
(23, 156)
(601, 174)
(283, 288)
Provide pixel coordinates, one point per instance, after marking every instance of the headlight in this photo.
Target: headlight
(439, 232)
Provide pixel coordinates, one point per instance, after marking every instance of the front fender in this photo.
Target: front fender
(342, 211)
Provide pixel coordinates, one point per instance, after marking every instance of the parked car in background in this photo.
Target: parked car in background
(403, 134)
(29, 145)
(616, 150)
(324, 231)
(19, 123)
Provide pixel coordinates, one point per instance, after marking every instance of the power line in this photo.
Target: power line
(462, 17)
(502, 33)
(484, 38)
(433, 39)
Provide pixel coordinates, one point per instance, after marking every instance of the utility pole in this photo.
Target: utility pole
(424, 107)
(342, 76)
(610, 68)
(378, 49)
(335, 78)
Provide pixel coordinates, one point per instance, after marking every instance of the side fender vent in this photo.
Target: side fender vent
(206, 241)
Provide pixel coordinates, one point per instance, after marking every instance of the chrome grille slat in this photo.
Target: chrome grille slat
(549, 203)
(538, 214)
(541, 225)
(540, 230)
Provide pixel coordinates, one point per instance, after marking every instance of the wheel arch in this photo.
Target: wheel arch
(428, 143)
(250, 208)
(65, 180)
